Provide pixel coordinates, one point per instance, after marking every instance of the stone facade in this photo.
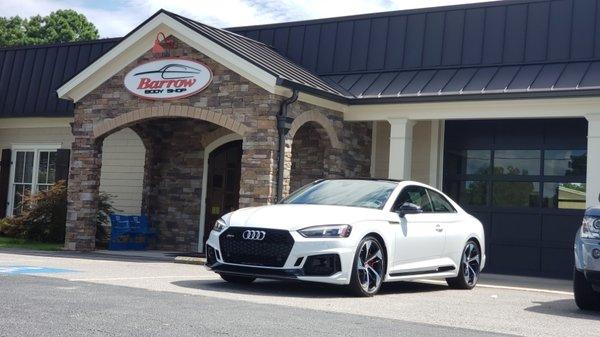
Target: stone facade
(173, 179)
(175, 133)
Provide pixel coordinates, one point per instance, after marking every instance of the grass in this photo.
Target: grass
(6, 242)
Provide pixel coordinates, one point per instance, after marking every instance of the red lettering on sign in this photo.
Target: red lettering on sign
(146, 83)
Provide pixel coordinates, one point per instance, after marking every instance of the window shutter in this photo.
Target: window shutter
(4, 180)
(63, 159)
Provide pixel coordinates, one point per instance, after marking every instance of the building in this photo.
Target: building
(496, 103)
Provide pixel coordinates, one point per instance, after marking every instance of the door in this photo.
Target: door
(33, 170)
(223, 185)
(420, 238)
(525, 181)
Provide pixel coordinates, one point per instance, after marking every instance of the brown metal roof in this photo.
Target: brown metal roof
(261, 55)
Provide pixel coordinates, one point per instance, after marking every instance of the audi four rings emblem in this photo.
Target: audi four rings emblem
(253, 235)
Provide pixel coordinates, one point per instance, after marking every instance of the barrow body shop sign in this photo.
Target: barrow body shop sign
(168, 78)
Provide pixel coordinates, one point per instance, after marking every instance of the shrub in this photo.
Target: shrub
(43, 216)
(105, 208)
(5, 226)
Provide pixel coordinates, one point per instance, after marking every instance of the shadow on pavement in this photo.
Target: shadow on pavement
(87, 255)
(301, 289)
(563, 308)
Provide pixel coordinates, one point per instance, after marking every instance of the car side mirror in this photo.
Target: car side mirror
(408, 208)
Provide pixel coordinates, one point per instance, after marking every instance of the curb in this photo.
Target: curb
(190, 260)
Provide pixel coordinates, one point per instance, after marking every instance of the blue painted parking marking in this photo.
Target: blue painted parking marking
(18, 270)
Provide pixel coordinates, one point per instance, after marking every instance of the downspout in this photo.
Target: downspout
(283, 126)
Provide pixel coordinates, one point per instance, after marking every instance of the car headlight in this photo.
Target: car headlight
(327, 231)
(590, 228)
(219, 225)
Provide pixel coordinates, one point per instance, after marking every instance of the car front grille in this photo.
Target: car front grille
(272, 251)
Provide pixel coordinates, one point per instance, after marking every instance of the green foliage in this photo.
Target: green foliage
(64, 25)
(6, 242)
(43, 216)
(105, 208)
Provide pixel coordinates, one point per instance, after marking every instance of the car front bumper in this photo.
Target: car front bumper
(585, 260)
(306, 249)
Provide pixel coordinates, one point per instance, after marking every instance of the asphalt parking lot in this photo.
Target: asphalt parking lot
(72, 294)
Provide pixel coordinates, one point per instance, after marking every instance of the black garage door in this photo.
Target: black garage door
(525, 181)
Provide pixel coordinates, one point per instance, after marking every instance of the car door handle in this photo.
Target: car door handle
(438, 228)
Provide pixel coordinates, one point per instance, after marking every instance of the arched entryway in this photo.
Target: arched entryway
(222, 183)
(310, 149)
(178, 181)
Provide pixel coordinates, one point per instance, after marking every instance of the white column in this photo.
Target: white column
(593, 161)
(400, 163)
(434, 153)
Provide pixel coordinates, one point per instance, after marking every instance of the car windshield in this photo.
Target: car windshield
(344, 192)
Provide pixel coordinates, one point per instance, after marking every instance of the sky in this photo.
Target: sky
(115, 18)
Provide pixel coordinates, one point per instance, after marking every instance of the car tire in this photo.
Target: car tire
(585, 296)
(368, 268)
(468, 273)
(237, 279)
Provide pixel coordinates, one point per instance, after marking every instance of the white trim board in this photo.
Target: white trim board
(487, 109)
(141, 41)
(35, 122)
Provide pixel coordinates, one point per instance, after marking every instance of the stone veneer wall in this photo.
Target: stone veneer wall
(173, 179)
(167, 195)
(229, 94)
(350, 158)
(310, 148)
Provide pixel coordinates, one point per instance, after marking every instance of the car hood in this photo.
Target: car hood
(294, 217)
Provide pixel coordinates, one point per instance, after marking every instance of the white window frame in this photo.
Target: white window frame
(36, 148)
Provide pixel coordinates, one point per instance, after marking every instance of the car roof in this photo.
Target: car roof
(366, 179)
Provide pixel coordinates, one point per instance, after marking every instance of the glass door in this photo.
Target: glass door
(33, 170)
(22, 179)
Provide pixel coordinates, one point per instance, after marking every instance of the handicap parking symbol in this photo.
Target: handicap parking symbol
(19, 270)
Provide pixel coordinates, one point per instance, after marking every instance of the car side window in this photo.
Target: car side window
(415, 195)
(440, 203)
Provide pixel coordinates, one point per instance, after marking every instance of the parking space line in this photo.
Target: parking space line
(493, 286)
(144, 278)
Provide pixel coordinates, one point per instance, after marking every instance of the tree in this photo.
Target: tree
(61, 26)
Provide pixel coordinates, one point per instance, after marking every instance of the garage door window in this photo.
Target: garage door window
(469, 192)
(471, 161)
(517, 162)
(564, 195)
(566, 163)
(516, 194)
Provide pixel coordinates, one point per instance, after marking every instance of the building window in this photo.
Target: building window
(33, 169)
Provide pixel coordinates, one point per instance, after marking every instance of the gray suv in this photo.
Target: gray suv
(586, 277)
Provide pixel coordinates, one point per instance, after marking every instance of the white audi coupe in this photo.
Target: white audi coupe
(354, 232)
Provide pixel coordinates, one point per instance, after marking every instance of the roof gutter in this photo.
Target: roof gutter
(283, 127)
(313, 91)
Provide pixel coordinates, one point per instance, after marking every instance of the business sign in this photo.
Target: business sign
(168, 78)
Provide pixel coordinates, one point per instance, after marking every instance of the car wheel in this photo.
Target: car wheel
(237, 279)
(368, 268)
(585, 297)
(468, 273)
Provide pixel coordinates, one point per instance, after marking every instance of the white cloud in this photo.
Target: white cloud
(117, 17)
